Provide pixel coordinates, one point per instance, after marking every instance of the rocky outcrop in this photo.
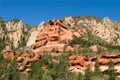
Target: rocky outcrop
(79, 63)
(32, 38)
(34, 33)
(69, 21)
(101, 28)
(8, 54)
(54, 36)
(14, 25)
(1, 32)
(16, 37)
(23, 59)
(13, 32)
(94, 48)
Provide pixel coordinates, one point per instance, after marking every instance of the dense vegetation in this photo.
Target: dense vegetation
(86, 40)
(54, 71)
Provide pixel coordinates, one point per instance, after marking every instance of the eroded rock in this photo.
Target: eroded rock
(54, 36)
(78, 63)
(23, 59)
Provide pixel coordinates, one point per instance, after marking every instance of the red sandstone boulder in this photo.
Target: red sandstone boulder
(7, 53)
(94, 48)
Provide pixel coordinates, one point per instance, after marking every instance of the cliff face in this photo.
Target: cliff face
(105, 28)
(34, 33)
(23, 59)
(53, 36)
(78, 63)
(13, 32)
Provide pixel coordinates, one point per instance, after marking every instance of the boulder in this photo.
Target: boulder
(94, 48)
(23, 59)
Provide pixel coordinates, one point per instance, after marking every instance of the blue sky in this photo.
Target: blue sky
(35, 11)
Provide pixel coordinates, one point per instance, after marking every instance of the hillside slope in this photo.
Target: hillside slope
(54, 49)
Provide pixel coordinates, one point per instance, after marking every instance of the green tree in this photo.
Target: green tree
(80, 76)
(88, 74)
(36, 71)
(3, 67)
(59, 70)
(15, 20)
(111, 71)
(71, 76)
(46, 76)
(2, 44)
(97, 70)
(12, 71)
(8, 70)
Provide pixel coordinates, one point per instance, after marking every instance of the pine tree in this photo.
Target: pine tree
(46, 76)
(97, 70)
(3, 67)
(12, 71)
(36, 70)
(79, 77)
(111, 71)
(88, 74)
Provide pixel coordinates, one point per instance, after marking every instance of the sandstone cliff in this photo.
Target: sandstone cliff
(23, 59)
(78, 63)
(54, 36)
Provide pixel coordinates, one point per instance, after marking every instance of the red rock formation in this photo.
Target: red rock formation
(7, 53)
(54, 36)
(94, 48)
(24, 59)
(105, 58)
(55, 54)
(80, 63)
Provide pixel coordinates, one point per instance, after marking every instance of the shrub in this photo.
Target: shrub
(97, 71)
(111, 71)
(88, 74)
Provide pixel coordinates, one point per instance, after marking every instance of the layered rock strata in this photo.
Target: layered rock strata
(54, 36)
(78, 63)
(23, 59)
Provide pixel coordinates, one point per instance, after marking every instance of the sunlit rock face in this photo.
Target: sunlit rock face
(16, 37)
(32, 38)
(23, 59)
(2, 30)
(105, 28)
(34, 33)
(12, 25)
(54, 36)
(15, 32)
(8, 53)
(78, 63)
